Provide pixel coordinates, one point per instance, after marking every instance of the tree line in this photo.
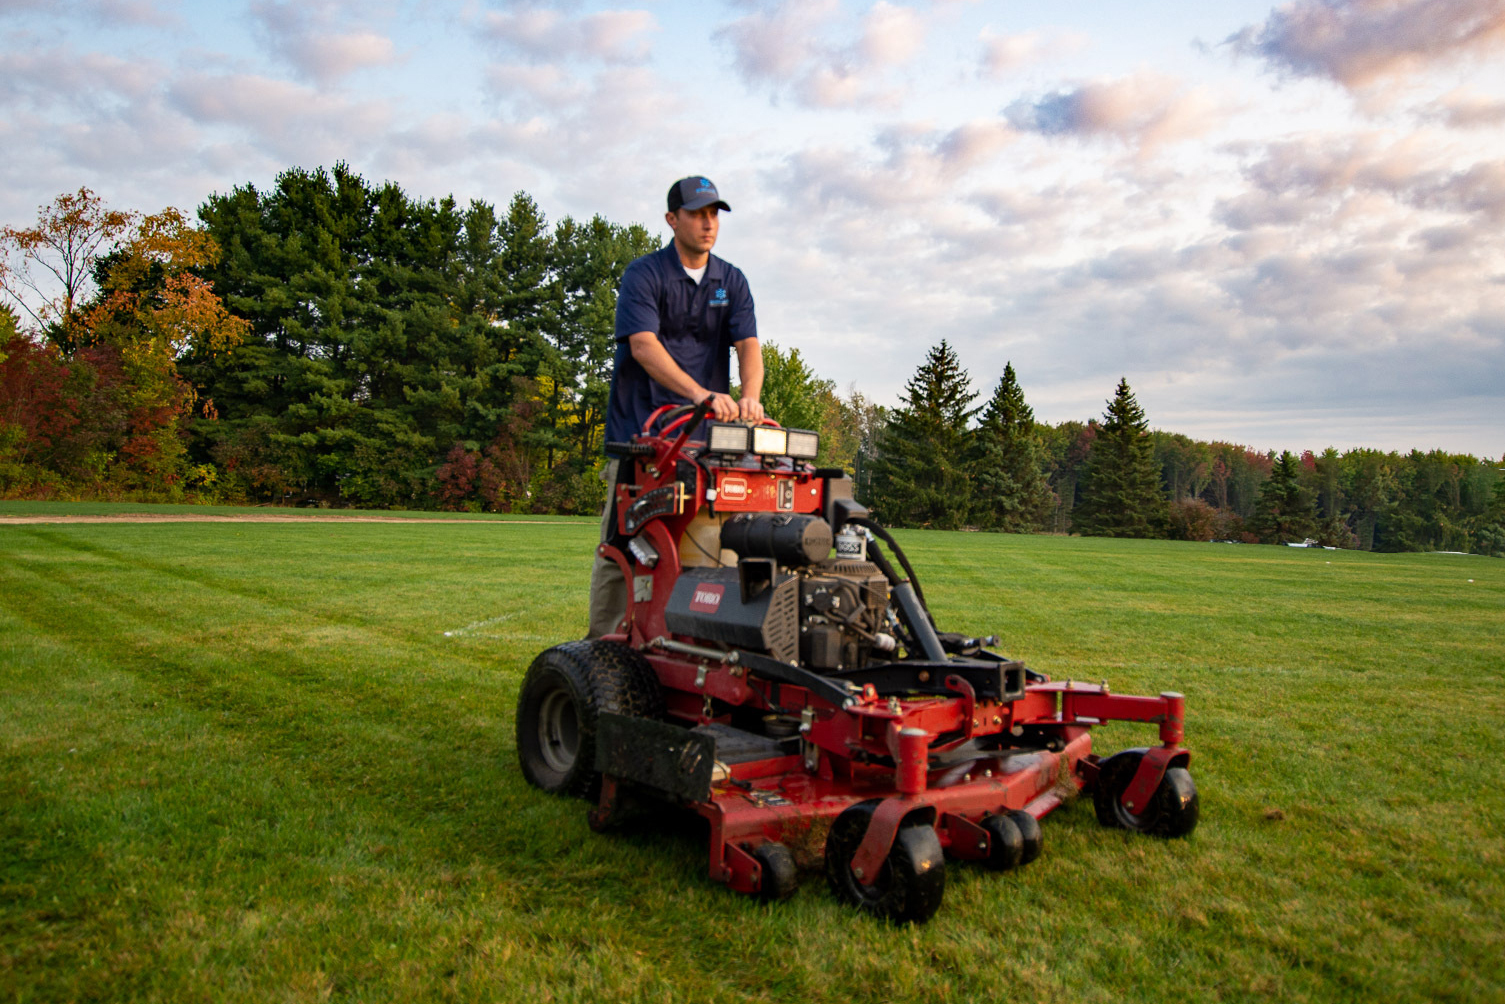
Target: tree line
(939, 460)
(389, 352)
(330, 341)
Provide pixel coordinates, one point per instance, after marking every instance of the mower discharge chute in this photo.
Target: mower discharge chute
(803, 701)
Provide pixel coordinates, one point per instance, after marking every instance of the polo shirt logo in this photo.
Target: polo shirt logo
(718, 298)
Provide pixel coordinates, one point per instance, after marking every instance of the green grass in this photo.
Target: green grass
(274, 762)
(16, 507)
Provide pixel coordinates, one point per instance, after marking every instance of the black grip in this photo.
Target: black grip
(629, 450)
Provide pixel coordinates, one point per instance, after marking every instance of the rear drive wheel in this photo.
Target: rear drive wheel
(1171, 812)
(566, 690)
(913, 880)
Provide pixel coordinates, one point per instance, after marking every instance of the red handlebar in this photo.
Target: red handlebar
(681, 420)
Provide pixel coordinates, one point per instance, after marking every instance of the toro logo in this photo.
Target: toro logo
(734, 489)
(707, 598)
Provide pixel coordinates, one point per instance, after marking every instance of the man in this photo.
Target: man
(679, 312)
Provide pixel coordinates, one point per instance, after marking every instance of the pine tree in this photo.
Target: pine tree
(1009, 492)
(1121, 494)
(920, 475)
(1285, 511)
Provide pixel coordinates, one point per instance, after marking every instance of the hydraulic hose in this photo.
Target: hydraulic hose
(911, 608)
(888, 539)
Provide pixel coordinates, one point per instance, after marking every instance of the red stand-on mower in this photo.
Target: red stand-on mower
(803, 701)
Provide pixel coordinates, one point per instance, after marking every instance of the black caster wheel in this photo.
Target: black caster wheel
(780, 877)
(1029, 830)
(913, 880)
(1171, 812)
(1005, 842)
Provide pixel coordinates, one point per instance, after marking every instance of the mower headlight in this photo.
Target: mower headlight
(770, 441)
(803, 444)
(728, 438)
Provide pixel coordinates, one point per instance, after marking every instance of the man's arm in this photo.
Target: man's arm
(661, 367)
(750, 372)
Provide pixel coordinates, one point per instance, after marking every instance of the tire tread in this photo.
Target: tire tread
(608, 677)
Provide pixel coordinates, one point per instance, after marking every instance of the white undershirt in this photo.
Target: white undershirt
(694, 273)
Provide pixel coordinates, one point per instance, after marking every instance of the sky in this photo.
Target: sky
(1282, 224)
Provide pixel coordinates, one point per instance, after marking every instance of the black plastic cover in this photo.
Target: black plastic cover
(707, 605)
(667, 758)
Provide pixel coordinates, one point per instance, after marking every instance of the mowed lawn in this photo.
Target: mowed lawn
(275, 762)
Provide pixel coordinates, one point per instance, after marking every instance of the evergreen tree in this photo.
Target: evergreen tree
(589, 261)
(1009, 492)
(1121, 494)
(1285, 511)
(385, 329)
(919, 477)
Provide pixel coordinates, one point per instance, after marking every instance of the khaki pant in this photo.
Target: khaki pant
(608, 598)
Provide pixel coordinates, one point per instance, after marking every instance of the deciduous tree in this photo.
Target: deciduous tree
(47, 270)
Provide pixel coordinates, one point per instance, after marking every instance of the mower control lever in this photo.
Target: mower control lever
(696, 417)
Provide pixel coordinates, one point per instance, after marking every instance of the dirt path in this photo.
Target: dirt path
(153, 517)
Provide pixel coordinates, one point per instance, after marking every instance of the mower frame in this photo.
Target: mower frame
(884, 768)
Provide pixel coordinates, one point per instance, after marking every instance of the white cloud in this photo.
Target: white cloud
(890, 35)
(1465, 108)
(1325, 172)
(543, 34)
(113, 13)
(776, 45)
(64, 76)
(787, 47)
(299, 124)
(1358, 42)
(1006, 54)
(1145, 109)
(545, 86)
(321, 41)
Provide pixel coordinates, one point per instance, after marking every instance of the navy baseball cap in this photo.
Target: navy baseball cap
(695, 193)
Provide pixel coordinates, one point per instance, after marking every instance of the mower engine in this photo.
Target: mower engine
(785, 596)
(779, 673)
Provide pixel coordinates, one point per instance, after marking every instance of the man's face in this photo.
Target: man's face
(695, 229)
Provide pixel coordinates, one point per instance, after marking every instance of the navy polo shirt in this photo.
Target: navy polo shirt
(697, 324)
